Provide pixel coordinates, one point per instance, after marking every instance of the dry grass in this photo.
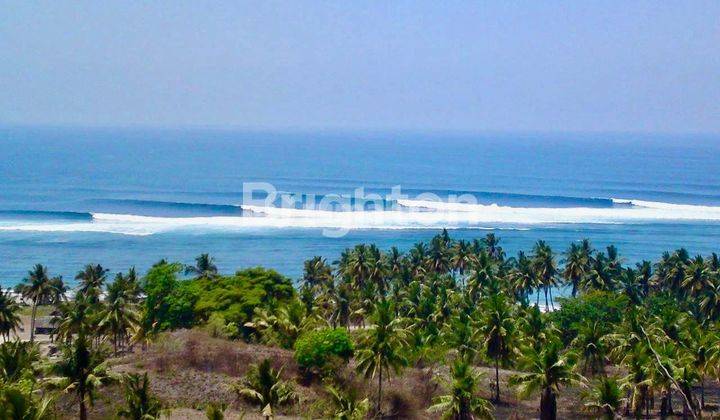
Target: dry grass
(190, 369)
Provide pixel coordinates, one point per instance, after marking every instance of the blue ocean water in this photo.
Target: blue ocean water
(124, 197)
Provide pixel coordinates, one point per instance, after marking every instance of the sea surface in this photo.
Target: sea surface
(129, 197)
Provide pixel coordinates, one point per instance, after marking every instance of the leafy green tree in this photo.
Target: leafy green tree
(166, 306)
(381, 348)
(140, 403)
(605, 307)
(462, 403)
(264, 386)
(546, 371)
(314, 350)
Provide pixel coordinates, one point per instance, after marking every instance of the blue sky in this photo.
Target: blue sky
(380, 65)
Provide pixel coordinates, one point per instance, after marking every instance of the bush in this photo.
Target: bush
(315, 350)
(218, 328)
(605, 307)
(172, 303)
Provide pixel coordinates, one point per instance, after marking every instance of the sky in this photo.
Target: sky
(375, 65)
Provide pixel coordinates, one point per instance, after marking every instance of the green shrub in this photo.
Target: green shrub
(315, 350)
(173, 303)
(606, 307)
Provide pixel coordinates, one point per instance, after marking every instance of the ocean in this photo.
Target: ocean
(129, 197)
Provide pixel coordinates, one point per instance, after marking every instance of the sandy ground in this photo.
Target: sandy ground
(23, 333)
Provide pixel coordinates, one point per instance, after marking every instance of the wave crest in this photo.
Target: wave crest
(411, 214)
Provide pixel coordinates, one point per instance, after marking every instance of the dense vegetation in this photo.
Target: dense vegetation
(630, 336)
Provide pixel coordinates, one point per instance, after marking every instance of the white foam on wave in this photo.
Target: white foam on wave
(412, 214)
(647, 211)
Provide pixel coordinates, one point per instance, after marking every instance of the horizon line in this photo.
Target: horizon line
(346, 130)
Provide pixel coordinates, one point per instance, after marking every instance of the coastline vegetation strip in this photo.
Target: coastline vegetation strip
(450, 328)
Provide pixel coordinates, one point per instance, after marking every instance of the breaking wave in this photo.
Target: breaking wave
(408, 214)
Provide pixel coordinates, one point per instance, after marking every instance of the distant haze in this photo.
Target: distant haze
(379, 65)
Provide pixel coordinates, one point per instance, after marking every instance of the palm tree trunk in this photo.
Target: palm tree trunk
(702, 392)
(546, 297)
(497, 381)
(574, 289)
(379, 401)
(551, 300)
(83, 410)
(32, 320)
(548, 407)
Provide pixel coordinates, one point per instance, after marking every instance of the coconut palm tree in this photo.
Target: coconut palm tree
(590, 344)
(439, 256)
(537, 330)
(140, 403)
(204, 267)
(117, 319)
(81, 371)
(358, 266)
(91, 278)
(499, 332)
(264, 386)
(58, 290)
(547, 371)
(700, 347)
(644, 272)
(18, 403)
(462, 403)
(18, 360)
(697, 277)
(483, 271)
(418, 259)
(461, 257)
(462, 335)
(316, 272)
(577, 265)
(73, 318)
(348, 405)
(9, 318)
(601, 275)
(710, 301)
(638, 380)
(492, 246)
(37, 288)
(545, 268)
(605, 397)
(381, 349)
